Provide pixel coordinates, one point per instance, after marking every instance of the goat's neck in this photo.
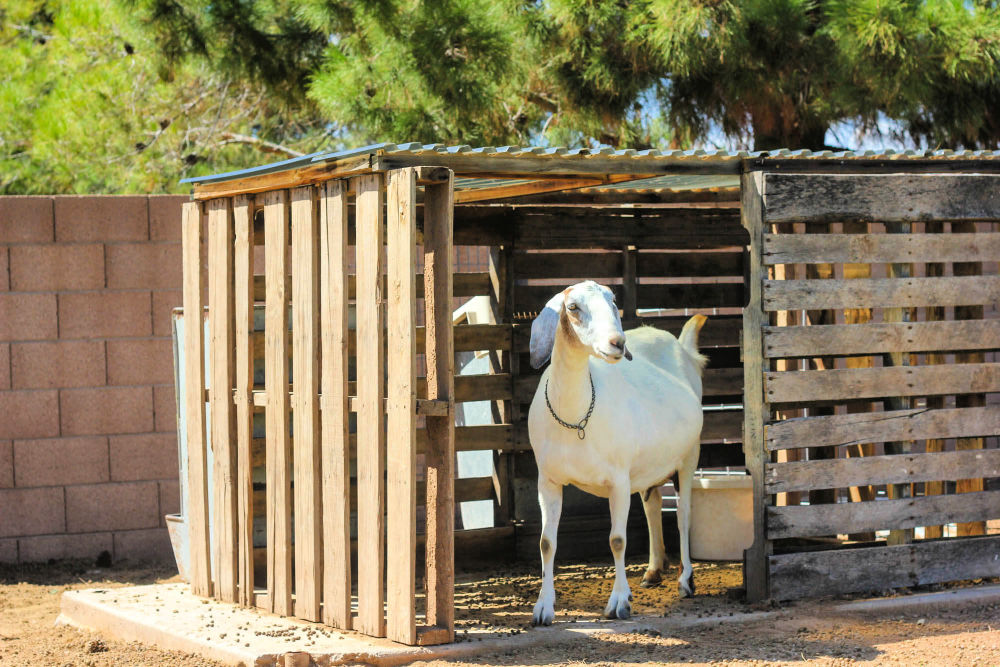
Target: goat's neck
(569, 379)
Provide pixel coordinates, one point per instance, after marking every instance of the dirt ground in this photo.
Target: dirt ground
(500, 598)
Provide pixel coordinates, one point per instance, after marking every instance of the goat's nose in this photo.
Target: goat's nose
(618, 342)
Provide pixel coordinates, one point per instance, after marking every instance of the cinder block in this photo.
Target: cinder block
(55, 461)
(54, 267)
(6, 464)
(145, 456)
(164, 408)
(140, 361)
(170, 498)
(106, 410)
(144, 265)
(30, 414)
(77, 363)
(96, 507)
(104, 314)
(26, 220)
(149, 546)
(165, 217)
(4, 366)
(47, 547)
(164, 302)
(32, 511)
(101, 218)
(28, 316)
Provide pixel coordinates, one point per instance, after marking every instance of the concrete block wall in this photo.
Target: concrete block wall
(88, 447)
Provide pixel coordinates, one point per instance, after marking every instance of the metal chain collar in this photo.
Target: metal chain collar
(581, 426)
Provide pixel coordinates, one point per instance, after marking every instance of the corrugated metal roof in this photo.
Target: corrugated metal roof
(679, 183)
(651, 156)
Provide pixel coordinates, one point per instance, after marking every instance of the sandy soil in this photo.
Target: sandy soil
(500, 598)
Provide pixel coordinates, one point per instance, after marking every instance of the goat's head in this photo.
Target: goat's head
(588, 317)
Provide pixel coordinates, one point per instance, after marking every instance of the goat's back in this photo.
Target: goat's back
(663, 350)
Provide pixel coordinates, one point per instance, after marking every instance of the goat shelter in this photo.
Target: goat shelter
(852, 338)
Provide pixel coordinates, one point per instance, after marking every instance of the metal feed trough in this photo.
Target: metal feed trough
(852, 339)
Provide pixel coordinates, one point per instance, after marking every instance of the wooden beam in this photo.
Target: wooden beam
(880, 248)
(881, 292)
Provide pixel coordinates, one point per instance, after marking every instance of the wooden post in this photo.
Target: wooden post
(194, 401)
(278, 442)
(305, 404)
(335, 451)
(968, 400)
(220, 319)
(629, 282)
(371, 416)
(501, 271)
(934, 314)
(755, 409)
(438, 212)
(401, 453)
(783, 319)
(243, 395)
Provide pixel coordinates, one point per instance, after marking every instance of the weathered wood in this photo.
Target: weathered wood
(876, 338)
(279, 452)
(371, 415)
(243, 383)
(283, 179)
(194, 401)
(935, 314)
(848, 384)
(432, 407)
(818, 573)
(630, 282)
(879, 248)
(904, 468)
(812, 520)
(519, 189)
(466, 284)
(783, 319)
(440, 456)
(220, 320)
(882, 198)
(307, 461)
(335, 450)
(756, 410)
(881, 292)
(401, 449)
(853, 429)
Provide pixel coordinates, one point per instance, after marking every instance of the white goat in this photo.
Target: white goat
(610, 431)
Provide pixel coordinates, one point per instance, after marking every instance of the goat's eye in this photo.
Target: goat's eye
(572, 306)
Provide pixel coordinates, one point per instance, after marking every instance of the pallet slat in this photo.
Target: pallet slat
(880, 292)
(876, 338)
(839, 518)
(401, 407)
(466, 284)
(856, 383)
(194, 402)
(305, 405)
(371, 416)
(335, 450)
(879, 248)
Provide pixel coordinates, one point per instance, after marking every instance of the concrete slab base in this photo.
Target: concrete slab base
(169, 616)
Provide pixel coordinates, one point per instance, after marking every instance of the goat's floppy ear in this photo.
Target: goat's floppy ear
(543, 331)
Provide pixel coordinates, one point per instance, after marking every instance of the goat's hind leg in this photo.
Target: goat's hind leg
(550, 500)
(620, 602)
(683, 481)
(652, 504)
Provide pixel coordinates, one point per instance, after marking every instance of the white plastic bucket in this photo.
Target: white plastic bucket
(721, 517)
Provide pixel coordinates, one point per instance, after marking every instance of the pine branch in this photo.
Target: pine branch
(261, 144)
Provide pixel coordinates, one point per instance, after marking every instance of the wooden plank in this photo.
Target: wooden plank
(335, 449)
(194, 402)
(876, 338)
(283, 179)
(813, 520)
(220, 320)
(853, 429)
(934, 314)
(835, 572)
(307, 462)
(881, 292)
(466, 284)
(401, 450)
(756, 411)
(432, 407)
(371, 416)
(279, 452)
(882, 198)
(440, 456)
(567, 265)
(519, 189)
(689, 264)
(848, 384)
(880, 248)
(243, 383)
(903, 468)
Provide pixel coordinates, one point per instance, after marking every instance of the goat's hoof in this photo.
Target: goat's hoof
(651, 579)
(619, 607)
(685, 590)
(543, 617)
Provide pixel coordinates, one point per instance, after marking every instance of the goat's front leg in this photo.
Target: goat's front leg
(550, 499)
(619, 605)
(652, 504)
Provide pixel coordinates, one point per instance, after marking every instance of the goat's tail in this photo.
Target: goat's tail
(689, 339)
